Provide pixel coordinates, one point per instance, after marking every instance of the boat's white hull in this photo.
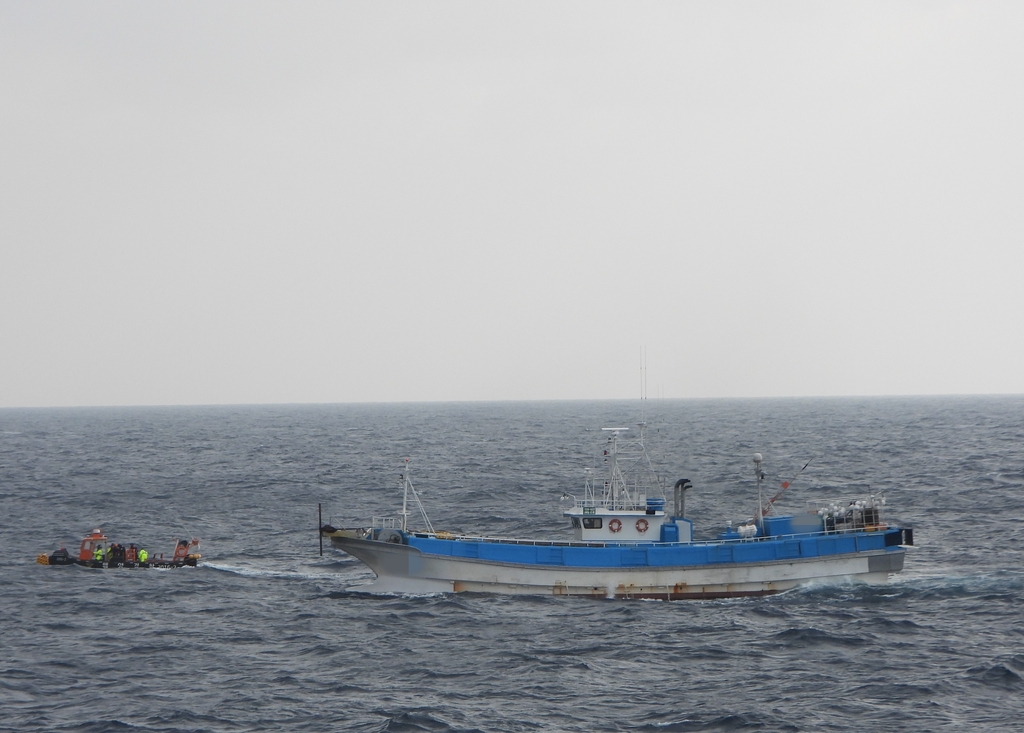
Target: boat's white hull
(404, 569)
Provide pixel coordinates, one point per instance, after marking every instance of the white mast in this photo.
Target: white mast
(615, 484)
(406, 483)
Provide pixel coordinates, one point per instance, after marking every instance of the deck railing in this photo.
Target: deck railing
(643, 543)
(639, 504)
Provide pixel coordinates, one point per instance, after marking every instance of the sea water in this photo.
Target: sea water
(267, 635)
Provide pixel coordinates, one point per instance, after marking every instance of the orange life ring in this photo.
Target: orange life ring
(615, 525)
(642, 525)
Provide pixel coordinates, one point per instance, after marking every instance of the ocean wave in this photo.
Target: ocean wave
(266, 635)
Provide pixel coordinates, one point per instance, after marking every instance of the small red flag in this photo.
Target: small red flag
(785, 484)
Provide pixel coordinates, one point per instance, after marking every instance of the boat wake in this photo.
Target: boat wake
(249, 571)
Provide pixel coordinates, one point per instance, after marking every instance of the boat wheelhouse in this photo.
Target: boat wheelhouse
(623, 509)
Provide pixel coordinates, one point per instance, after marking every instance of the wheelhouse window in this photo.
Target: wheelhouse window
(575, 523)
(592, 523)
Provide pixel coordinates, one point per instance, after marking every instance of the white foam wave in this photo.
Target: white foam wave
(258, 572)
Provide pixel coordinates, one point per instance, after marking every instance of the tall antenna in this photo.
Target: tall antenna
(641, 374)
(643, 380)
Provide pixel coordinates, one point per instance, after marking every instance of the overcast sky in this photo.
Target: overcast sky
(215, 202)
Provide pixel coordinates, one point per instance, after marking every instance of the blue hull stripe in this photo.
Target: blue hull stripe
(660, 554)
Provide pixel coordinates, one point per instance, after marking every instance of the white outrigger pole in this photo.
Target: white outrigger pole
(410, 489)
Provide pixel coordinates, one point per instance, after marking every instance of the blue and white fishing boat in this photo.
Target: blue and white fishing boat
(627, 544)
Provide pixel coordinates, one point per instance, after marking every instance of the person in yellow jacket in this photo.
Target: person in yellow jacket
(98, 554)
(143, 555)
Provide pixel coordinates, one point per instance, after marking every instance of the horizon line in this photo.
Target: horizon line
(512, 401)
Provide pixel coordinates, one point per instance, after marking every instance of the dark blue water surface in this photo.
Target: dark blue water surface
(266, 635)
